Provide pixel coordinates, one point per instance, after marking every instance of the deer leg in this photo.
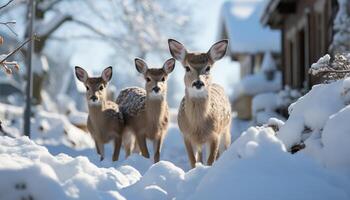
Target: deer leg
(101, 148)
(97, 149)
(190, 153)
(200, 154)
(117, 145)
(157, 145)
(214, 148)
(141, 140)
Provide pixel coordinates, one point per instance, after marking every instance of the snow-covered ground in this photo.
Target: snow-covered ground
(256, 166)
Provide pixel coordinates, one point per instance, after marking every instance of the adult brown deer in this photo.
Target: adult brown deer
(204, 115)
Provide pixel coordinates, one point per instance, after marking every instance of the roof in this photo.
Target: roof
(275, 9)
(240, 20)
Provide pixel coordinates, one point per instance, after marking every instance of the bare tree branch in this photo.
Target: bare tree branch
(8, 25)
(17, 49)
(8, 3)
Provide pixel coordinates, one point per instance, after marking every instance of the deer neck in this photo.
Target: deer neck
(95, 111)
(155, 108)
(197, 108)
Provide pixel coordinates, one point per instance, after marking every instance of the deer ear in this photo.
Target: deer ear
(218, 50)
(81, 74)
(107, 74)
(177, 50)
(141, 65)
(169, 65)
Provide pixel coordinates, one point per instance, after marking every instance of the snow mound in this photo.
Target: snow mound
(30, 170)
(320, 121)
(257, 166)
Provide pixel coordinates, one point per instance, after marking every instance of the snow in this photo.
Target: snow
(264, 107)
(319, 119)
(243, 28)
(257, 83)
(257, 157)
(311, 112)
(268, 63)
(341, 36)
(321, 64)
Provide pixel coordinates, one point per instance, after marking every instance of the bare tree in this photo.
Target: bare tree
(134, 27)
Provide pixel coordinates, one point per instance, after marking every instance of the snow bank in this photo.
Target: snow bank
(320, 121)
(30, 170)
(257, 166)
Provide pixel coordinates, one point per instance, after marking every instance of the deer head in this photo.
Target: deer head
(96, 91)
(156, 79)
(197, 65)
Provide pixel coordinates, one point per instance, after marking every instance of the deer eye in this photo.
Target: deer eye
(187, 69)
(101, 87)
(148, 79)
(163, 79)
(207, 70)
(87, 88)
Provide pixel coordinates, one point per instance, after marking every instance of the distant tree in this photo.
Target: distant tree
(133, 27)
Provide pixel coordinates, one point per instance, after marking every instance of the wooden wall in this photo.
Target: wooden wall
(306, 36)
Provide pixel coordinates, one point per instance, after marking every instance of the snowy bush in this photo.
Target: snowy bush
(329, 69)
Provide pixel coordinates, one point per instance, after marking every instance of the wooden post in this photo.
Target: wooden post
(29, 89)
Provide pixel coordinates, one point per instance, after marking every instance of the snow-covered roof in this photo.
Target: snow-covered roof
(241, 21)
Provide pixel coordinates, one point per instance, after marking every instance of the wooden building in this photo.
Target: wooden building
(307, 32)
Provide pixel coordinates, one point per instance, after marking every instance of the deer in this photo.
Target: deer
(145, 110)
(105, 121)
(204, 115)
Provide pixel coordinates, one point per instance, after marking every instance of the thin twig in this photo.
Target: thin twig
(333, 71)
(17, 49)
(1, 7)
(6, 23)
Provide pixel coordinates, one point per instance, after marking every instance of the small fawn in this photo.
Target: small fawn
(105, 122)
(204, 115)
(146, 110)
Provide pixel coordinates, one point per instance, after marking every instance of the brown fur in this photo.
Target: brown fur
(203, 119)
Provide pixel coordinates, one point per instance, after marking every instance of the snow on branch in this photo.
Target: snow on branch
(341, 27)
(331, 70)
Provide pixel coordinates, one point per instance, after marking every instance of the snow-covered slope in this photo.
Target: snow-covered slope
(256, 166)
(320, 119)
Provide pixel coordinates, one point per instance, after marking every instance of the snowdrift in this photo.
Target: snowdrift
(320, 120)
(255, 166)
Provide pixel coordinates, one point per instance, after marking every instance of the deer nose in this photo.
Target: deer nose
(156, 89)
(198, 84)
(94, 98)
